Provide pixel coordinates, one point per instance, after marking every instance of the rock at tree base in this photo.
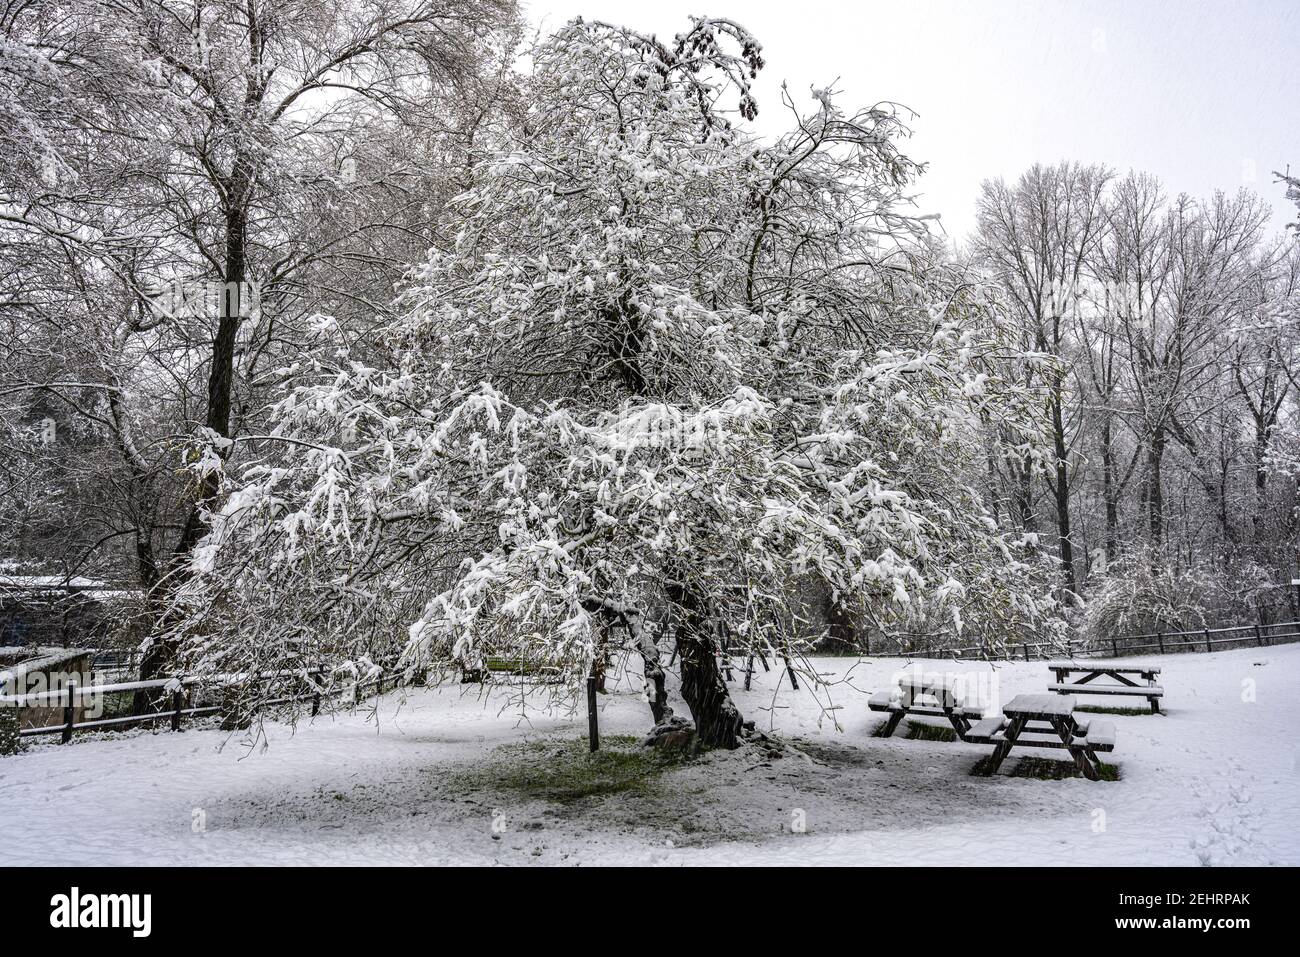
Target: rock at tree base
(675, 734)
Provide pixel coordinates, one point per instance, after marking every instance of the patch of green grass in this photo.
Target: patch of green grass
(563, 770)
(918, 731)
(983, 767)
(1046, 769)
(1104, 709)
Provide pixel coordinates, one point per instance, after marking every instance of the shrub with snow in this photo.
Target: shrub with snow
(1145, 592)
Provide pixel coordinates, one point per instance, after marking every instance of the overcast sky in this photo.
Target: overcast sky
(1203, 93)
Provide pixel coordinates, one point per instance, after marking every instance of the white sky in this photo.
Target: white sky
(1203, 93)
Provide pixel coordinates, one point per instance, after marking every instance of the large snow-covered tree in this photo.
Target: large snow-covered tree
(663, 375)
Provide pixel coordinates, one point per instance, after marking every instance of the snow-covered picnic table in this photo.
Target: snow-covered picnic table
(932, 695)
(1049, 722)
(1115, 677)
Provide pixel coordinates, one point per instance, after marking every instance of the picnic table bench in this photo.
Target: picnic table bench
(1116, 679)
(1044, 721)
(513, 667)
(928, 695)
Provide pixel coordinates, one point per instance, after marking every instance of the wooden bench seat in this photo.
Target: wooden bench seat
(982, 731)
(1101, 736)
(1142, 691)
(1097, 664)
(883, 701)
(511, 667)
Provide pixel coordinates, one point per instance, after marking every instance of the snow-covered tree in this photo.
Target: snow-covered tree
(664, 373)
(183, 184)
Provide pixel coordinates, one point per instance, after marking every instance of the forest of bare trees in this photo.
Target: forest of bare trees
(1171, 408)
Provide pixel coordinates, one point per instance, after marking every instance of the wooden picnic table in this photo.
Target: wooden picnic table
(520, 669)
(1116, 679)
(931, 695)
(1044, 721)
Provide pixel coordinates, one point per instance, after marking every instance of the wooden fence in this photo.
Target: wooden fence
(180, 694)
(1161, 642)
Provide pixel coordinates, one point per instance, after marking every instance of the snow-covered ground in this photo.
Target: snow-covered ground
(434, 779)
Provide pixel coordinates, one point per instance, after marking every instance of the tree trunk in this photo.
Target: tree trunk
(839, 626)
(1061, 488)
(1025, 497)
(717, 720)
(158, 658)
(1155, 497)
(655, 692)
(1109, 492)
(1258, 530)
(221, 376)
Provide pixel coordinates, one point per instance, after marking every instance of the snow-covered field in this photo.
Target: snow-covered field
(443, 778)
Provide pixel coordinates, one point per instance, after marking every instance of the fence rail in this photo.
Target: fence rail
(180, 691)
(1162, 642)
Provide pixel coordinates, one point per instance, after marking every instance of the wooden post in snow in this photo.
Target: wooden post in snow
(70, 712)
(593, 728)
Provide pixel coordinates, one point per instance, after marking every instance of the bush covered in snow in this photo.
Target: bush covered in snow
(1145, 591)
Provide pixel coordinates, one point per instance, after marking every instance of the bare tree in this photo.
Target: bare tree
(1038, 239)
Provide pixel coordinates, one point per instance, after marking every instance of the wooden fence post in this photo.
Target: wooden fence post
(593, 729)
(1114, 645)
(1026, 647)
(178, 703)
(70, 711)
(1259, 635)
(1160, 638)
(10, 739)
(1208, 646)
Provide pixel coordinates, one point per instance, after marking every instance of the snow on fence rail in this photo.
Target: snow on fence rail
(181, 705)
(1161, 642)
